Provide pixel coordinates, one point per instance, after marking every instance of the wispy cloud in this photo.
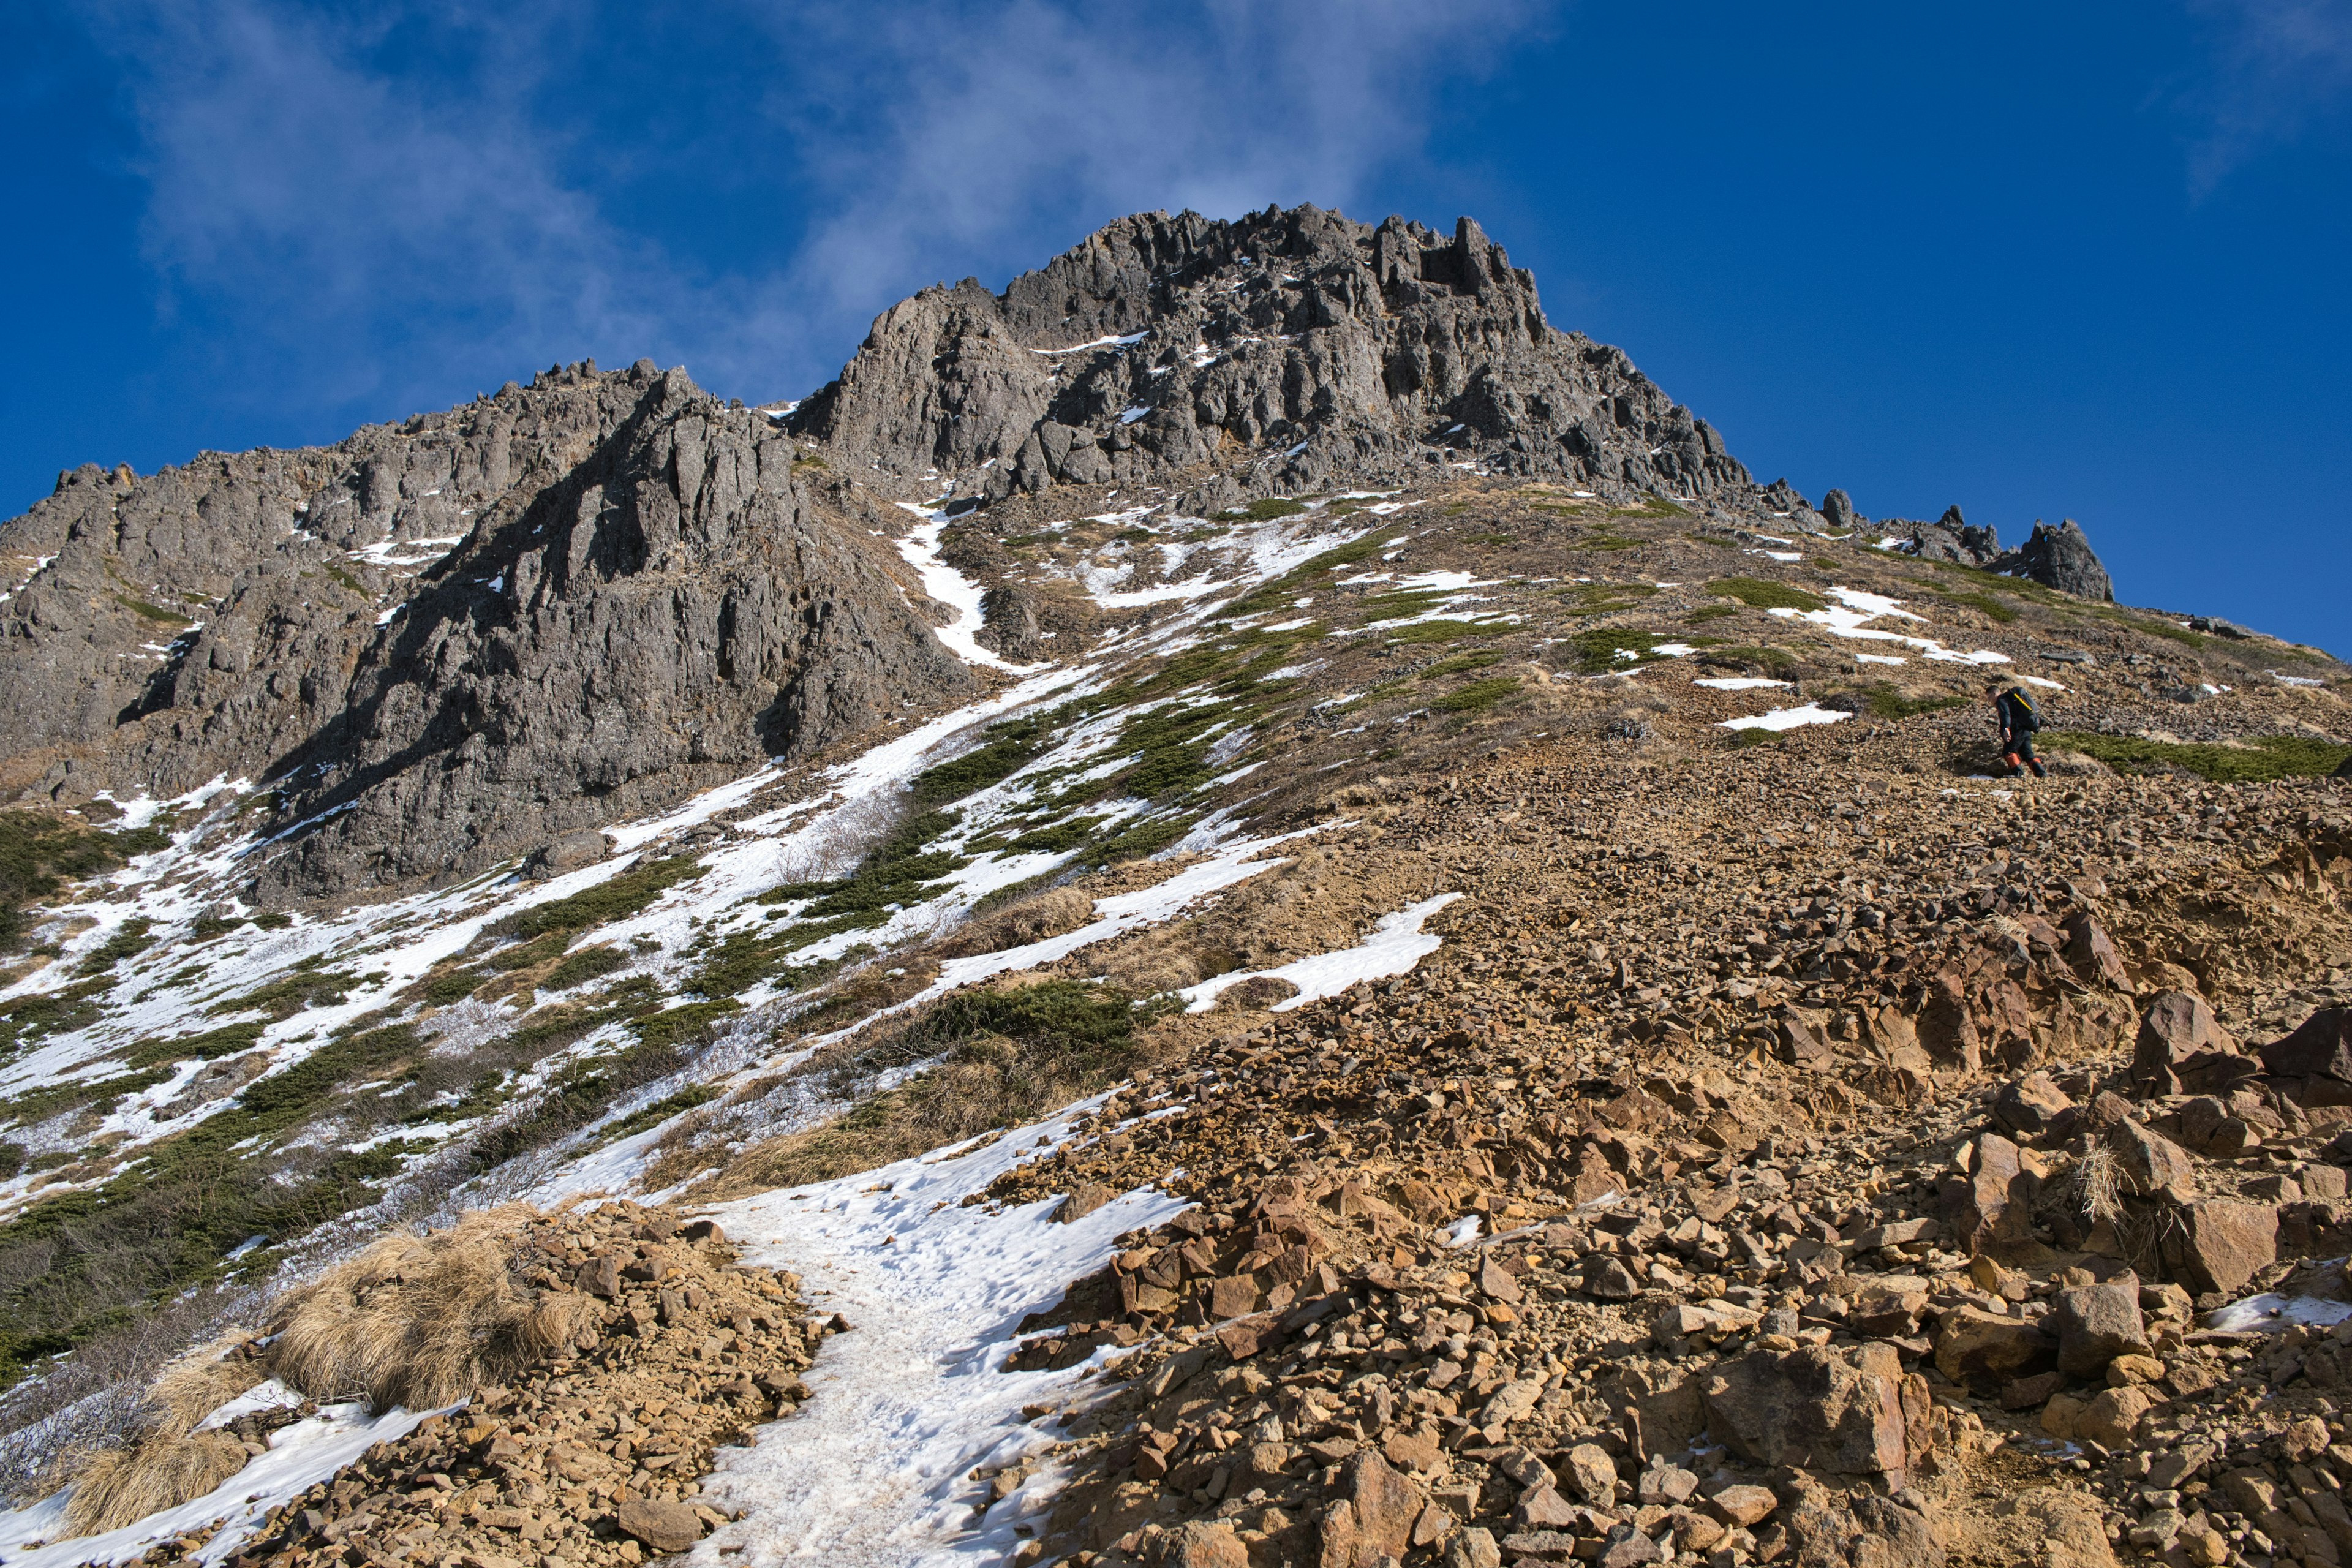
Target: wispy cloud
(2276, 67)
(391, 199)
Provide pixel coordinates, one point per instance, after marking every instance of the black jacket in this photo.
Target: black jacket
(2016, 714)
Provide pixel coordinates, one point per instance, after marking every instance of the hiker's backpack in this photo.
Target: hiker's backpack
(2031, 720)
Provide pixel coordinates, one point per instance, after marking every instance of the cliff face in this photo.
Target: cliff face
(458, 635)
(1287, 350)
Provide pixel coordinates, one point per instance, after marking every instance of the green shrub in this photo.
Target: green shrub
(1010, 747)
(1707, 613)
(1984, 603)
(617, 899)
(652, 1115)
(588, 964)
(1265, 511)
(1886, 702)
(1478, 695)
(40, 854)
(1442, 631)
(1605, 648)
(1775, 662)
(128, 943)
(893, 873)
(225, 1041)
(1759, 594)
(1461, 662)
(285, 997)
(2263, 759)
(155, 613)
(539, 949)
(670, 1026)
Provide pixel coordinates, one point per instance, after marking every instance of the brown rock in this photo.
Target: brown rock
(1815, 1406)
(1235, 1296)
(1594, 1474)
(2095, 1325)
(1084, 1199)
(1607, 1279)
(665, 1527)
(1628, 1547)
(2112, 1419)
(2026, 1106)
(1822, 1525)
(1499, 1282)
(1542, 1508)
(2321, 1047)
(1374, 1519)
(1747, 1507)
(2220, 1244)
(2093, 954)
(1201, 1543)
(2177, 1027)
(1993, 1203)
(1802, 1045)
(2149, 1166)
(1978, 1347)
(1412, 1450)
(599, 1277)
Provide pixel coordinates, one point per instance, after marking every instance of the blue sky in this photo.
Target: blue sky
(2043, 261)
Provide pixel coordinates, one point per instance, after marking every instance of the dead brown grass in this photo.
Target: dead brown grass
(169, 1462)
(422, 1320)
(1032, 919)
(115, 1487)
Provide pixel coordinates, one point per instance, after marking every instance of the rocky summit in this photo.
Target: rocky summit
(1236, 906)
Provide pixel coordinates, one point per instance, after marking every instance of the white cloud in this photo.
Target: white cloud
(374, 201)
(2277, 65)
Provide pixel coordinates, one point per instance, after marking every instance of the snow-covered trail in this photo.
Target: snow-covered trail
(875, 1471)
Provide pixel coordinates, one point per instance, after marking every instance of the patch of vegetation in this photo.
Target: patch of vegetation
(347, 581)
(213, 1044)
(1602, 540)
(653, 1115)
(1265, 511)
(1599, 598)
(1460, 662)
(671, 1025)
(588, 964)
(618, 899)
(1057, 838)
(1478, 695)
(1779, 663)
(40, 854)
(1888, 702)
(2260, 759)
(2154, 628)
(284, 997)
(1609, 648)
(1652, 506)
(1705, 613)
(741, 960)
(1721, 542)
(128, 941)
(539, 949)
(29, 1018)
(1743, 739)
(1009, 747)
(441, 990)
(1312, 573)
(1488, 539)
(101, 1093)
(1398, 605)
(1007, 1055)
(1983, 603)
(1760, 594)
(1145, 836)
(1444, 631)
(578, 1095)
(147, 612)
(892, 874)
(273, 921)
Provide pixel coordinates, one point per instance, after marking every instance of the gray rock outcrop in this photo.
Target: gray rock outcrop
(447, 642)
(2060, 558)
(1270, 355)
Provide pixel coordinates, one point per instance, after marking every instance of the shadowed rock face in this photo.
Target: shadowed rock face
(1288, 350)
(606, 592)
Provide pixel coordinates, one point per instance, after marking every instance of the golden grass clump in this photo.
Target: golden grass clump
(168, 1463)
(115, 1487)
(422, 1321)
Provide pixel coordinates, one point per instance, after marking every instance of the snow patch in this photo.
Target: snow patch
(1788, 718)
(1393, 948)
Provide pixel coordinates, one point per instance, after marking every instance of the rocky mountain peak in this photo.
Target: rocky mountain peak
(1269, 355)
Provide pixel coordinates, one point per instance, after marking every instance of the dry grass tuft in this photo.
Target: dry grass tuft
(201, 1382)
(115, 1487)
(1032, 919)
(422, 1320)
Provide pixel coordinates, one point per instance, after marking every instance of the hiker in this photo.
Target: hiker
(2014, 710)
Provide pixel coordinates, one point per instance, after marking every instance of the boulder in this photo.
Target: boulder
(2208, 1125)
(2027, 1105)
(2221, 1243)
(2091, 952)
(2096, 1323)
(1745, 1506)
(2059, 558)
(664, 1527)
(1986, 1349)
(1594, 1474)
(1993, 1203)
(568, 852)
(2178, 1030)
(2320, 1047)
(1826, 1409)
(1374, 1517)
(1827, 1527)
(2150, 1165)
(1802, 1044)
(1201, 1543)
